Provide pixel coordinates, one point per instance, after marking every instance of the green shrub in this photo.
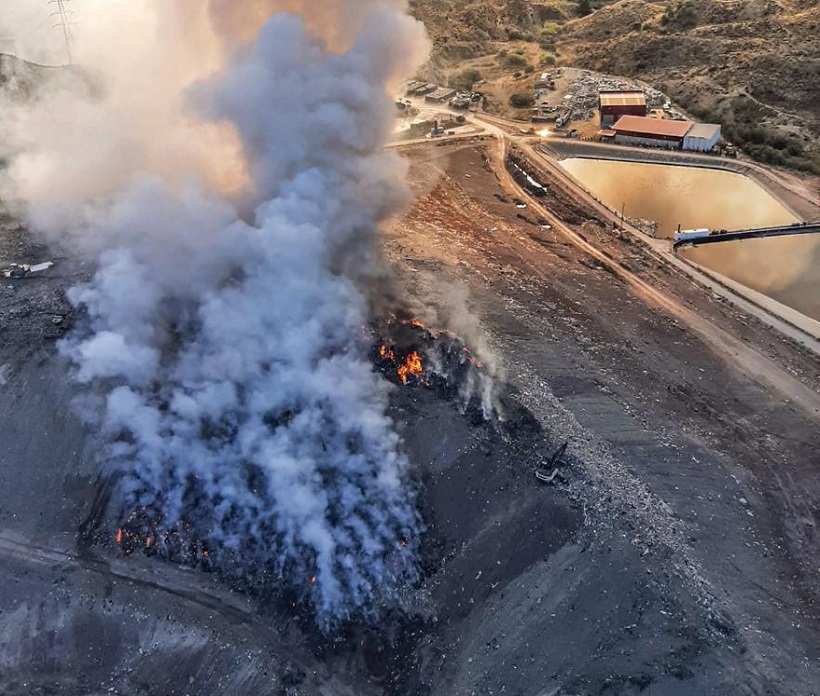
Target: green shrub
(584, 8)
(680, 16)
(465, 80)
(550, 29)
(548, 60)
(795, 148)
(516, 61)
(521, 100)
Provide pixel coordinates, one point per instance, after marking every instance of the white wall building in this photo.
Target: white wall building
(702, 137)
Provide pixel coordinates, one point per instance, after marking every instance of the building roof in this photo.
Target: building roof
(706, 131)
(442, 93)
(632, 98)
(652, 126)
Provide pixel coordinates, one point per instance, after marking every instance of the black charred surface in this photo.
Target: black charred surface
(448, 363)
(524, 178)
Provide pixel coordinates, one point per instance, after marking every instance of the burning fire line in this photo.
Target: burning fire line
(393, 319)
(144, 531)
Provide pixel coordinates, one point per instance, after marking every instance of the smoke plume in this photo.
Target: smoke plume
(227, 173)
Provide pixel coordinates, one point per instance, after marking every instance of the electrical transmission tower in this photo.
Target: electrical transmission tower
(61, 13)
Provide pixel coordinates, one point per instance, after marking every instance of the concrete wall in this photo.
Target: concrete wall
(610, 114)
(648, 142)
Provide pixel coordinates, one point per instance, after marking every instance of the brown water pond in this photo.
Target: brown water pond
(786, 269)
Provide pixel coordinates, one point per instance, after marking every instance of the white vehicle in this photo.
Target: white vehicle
(691, 234)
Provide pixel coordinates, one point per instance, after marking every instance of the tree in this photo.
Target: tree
(516, 61)
(464, 80)
(521, 100)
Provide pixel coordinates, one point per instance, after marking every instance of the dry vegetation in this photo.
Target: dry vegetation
(752, 65)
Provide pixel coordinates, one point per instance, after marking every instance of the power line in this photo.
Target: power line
(62, 14)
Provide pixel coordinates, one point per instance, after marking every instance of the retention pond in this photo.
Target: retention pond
(786, 269)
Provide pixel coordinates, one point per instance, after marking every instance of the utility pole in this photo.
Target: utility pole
(61, 13)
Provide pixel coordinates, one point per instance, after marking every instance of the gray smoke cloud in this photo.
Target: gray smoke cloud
(224, 337)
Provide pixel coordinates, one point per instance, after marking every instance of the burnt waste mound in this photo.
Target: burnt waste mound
(433, 372)
(408, 353)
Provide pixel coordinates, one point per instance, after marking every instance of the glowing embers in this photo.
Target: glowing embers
(398, 352)
(408, 366)
(412, 367)
(143, 531)
(409, 353)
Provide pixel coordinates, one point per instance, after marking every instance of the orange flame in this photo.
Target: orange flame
(412, 366)
(313, 580)
(119, 536)
(387, 353)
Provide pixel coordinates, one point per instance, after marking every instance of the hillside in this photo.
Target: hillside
(22, 81)
(752, 65)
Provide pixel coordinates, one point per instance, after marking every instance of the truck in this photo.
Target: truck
(688, 235)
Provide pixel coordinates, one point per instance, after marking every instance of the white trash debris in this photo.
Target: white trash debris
(23, 270)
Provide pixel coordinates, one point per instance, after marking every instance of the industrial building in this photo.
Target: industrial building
(652, 132)
(425, 88)
(615, 104)
(412, 86)
(440, 95)
(702, 137)
(461, 101)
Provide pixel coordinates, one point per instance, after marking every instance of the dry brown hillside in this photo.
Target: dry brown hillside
(753, 65)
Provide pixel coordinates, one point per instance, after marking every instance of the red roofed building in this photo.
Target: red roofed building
(613, 105)
(653, 132)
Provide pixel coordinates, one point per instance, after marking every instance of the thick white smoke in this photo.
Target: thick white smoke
(224, 331)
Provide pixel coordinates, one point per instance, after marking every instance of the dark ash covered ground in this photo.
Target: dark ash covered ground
(677, 557)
